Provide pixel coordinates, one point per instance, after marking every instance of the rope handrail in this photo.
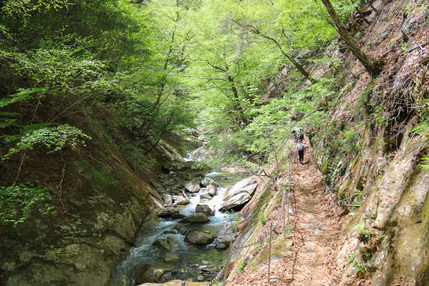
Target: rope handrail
(234, 247)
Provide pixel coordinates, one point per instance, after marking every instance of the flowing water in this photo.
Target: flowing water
(189, 255)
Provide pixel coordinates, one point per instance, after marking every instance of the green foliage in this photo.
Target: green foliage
(350, 257)
(364, 233)
(241, 266)
(262, 219)
(55, 137)
(17, 202)
(423, 130)
(359, 266)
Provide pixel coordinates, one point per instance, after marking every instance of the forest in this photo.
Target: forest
(84, 79)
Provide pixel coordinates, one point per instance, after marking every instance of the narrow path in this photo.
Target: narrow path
(315, 233)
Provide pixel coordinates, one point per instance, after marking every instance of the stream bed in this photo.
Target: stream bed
(183, 261)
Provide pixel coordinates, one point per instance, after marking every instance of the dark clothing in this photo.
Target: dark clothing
(301, 155)
(300, 149)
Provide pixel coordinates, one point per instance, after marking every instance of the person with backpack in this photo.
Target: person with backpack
(301, 135)
(295, 136)
(300, 149)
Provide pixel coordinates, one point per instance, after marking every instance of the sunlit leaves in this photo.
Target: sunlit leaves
(55, 137)
(16, 202)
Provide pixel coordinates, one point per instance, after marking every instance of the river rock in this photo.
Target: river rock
(205, 196)
(171, 257)
(149, 273)
(232, 170)
(208, 181)
(239, 194)
(199, 237)
(212, 190)
(225, 239)
(171, 231)
(200, 278)
(184, 220)
(162, 243)
(168, 200)
(220, 246)
(192, 187)
(180, 200)
(226, 230)
(178, 216)
(197, 217)
(168, 212)
(200, 154)
(205, 209)
(168, 243)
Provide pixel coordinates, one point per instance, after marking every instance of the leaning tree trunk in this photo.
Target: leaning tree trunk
(367, 62)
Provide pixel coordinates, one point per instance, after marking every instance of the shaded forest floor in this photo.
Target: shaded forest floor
(316, 228)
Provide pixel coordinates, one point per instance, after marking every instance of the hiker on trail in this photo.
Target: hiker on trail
(295, 136)
(301, 135)
(300, 149)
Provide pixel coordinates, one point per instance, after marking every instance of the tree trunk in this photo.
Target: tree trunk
(367, 62)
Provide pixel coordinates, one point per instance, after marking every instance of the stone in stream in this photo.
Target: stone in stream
(168, 212)
(171, 231)
(168, 243)
(205, 196)
(207, 181)
(212, 190)
(225, 239)
(180, 200)
(197, 217)
(220, 246)
(171, 257)
(149, 273)
(178, 216)
(192, 187)
(205, 209)
(168, 200)
(200, 278)
(239, 194)
(199, 237)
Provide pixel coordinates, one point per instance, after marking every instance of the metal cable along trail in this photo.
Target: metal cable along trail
(234, 247)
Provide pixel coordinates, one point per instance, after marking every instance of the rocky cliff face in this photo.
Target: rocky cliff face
(386, 234)
(82, 244)
(99, 210)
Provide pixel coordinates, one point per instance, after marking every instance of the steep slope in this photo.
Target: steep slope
(385, 233)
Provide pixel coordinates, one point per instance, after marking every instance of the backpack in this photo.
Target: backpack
(301, 146)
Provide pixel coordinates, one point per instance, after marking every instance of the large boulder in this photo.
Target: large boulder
(205, 209)
(208, 181)
(239, 194)
(212, 190)
(192, 187)
(197, 217)
(199, 237)
(150, 273)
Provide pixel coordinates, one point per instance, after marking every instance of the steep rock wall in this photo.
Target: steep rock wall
(80, 246)
(394, 208)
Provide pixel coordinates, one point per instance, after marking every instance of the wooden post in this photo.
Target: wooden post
(226, 266)
(269, 253)
(284, 220)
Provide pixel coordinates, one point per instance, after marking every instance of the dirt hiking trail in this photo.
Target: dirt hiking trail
(316, 228)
